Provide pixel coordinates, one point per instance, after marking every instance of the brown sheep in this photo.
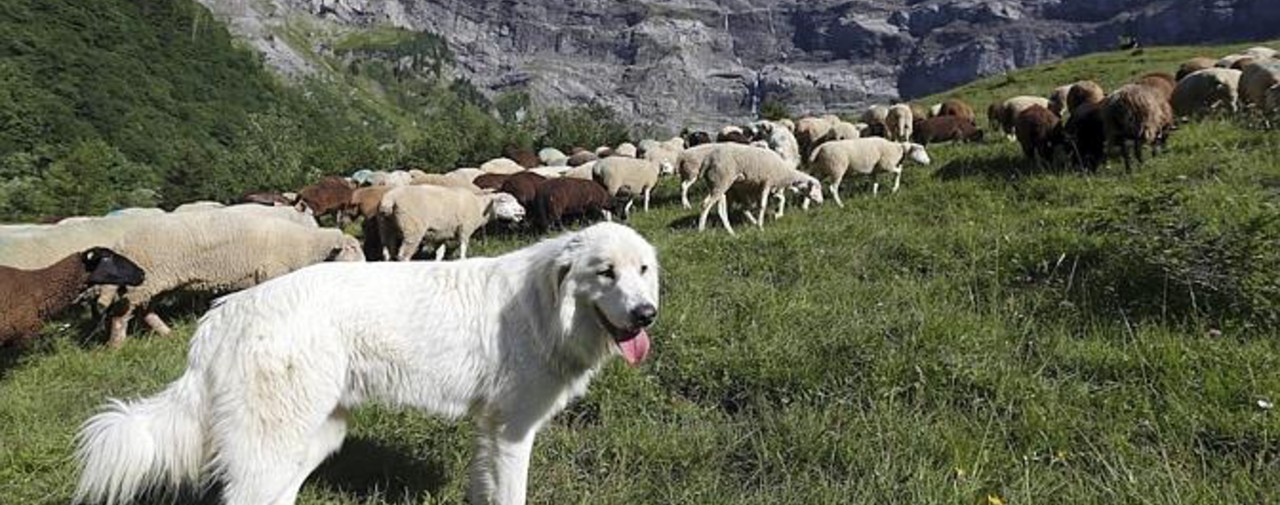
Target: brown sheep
(1193, 65)
(1083, 92)
(1039, 132)
(491, 181)
(523, 186)
(364, 203)
(558, 199)
(31, 296)
(1139, 114)
(958, 108)
(1088, 136)
(330, 195)
(945, 129)
(522, 157)
(581, 156)
(1161, 82)
(736, 136)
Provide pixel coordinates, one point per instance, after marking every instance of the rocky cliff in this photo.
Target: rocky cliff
(703, 62)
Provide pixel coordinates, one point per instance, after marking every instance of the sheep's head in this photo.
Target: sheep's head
(104, 266)
(666, 168)
(917, 153)
(504, 207)
(348, 249)
(808, 186)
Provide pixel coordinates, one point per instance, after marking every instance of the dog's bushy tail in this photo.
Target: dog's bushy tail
(133, 447)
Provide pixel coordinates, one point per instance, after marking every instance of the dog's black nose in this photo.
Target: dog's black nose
(644, 315)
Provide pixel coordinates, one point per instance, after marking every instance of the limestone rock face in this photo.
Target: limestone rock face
(673, 63)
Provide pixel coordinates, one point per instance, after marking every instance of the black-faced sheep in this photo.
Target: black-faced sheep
(945, 129)
(1039, 132)
(1138, 114)
(32, 296)
(562, 199)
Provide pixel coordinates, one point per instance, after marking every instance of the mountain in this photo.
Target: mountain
(702, 63)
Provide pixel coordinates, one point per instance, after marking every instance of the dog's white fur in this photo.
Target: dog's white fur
(273, 370)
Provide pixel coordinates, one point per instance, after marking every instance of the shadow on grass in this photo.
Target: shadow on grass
(366, 468)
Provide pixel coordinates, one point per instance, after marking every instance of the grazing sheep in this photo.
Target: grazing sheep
(1206, 90)
(584, 171)
(421, 178)
(875, 116)
(501, 166)
(491, 181)
(1007, 112)
(523, 157)
(626, 149)
(1259, 80)
(1160, 82)
(395, 178)
(1058, 99)
(33, 296)
(945, 129)
(1039, 132)
(466, 174)
(865, 156)
(214, 252)
(665, 156)
(1230, 59)
(689, 168)
(1139, 114)
(811, 131)
(627, 177)
(1262, 52)
(549, 155)
(1086, 132)
(581, 157)
(958, 108)
(1192, 65)
(329, 195)
(732, 164)
(604, 152)
(523, 186)
(199, 206)
(416, 214)
(567, 198)
(898, 123)
(1083, 92)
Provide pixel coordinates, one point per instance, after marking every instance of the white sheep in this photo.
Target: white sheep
(844, 130)
(689, 168)
(549, 172)
(199, 206)
(780, 139)
(1007, 111)
(865, 156)
(732, 164)
(1262, 52)
(1231, 59)
(394, 179)
(898, 123)
(788, 124)
(1204, 90)
(626, 149)
(416, 214)
(665, 156)
(422, 178)
(466, 174)
(584, 171)
(623, 176)
(875, 115)
(501, 166)
(216, 252)
(549, 155)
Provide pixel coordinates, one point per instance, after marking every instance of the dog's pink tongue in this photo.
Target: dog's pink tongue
(635, 349)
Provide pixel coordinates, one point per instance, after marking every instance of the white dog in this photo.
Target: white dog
(273, 370)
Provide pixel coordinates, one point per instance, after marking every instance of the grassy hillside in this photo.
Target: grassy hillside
(988, 333)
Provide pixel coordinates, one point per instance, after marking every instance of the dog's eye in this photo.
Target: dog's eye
(608, 273)
(644, 269)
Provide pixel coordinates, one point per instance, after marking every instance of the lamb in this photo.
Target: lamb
(1007, 112)
(898, 122)
(1259, 80)
(1206, 90)
(564, 198)
(501, 166)
(958, 108)
(417, 214)
(626, 149)
(466, 174)
(689, 167)
(523, 186)
(550, 155)
(1039, 132)
(865, 156)
(627, 177)
(945, 129)
(730, 165)
(214, 252)
(32, 296)
(329, 195)
(1136, 113)
(1192, 65)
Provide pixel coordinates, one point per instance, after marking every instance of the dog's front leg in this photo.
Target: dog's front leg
(482, 484)
(512, 449)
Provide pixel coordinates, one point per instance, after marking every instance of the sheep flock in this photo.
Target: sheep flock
(213, 248)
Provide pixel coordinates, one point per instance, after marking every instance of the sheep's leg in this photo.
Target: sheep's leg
(462, 247)
(782, 205)
(608, 216)
(120, 325)
(897, 180)
(408, 247)
(723, 207)
(706, 209)
(751, 218)
(684, 193)
(647, 191)
(440, 252)
(626, 212)
(157, 325)
(764, 206)
(1124, 153)
(835, 190)
(1137, 150)
(875, 185)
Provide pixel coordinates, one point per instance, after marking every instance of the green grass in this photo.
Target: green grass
(987, 331)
